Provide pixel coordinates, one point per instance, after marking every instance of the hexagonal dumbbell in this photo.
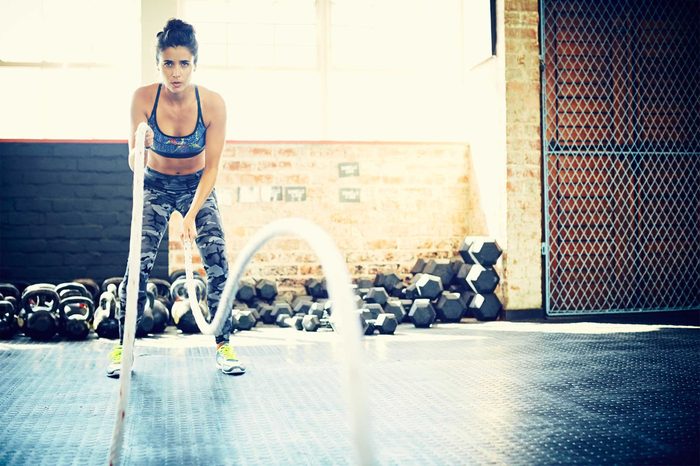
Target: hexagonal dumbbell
(317, 289)
(478, 278)
(266, 289)
(312, 323)
(480, 250)
(246, 290)
(285, 321)
(485, 306)
(428, 286)
(418, 266)
(302, 305)
(278, 308)
(243, 319)
(450, 307)
(372, 310)
(385, 324)
(441, 269)
(394, 306)
(376, 294)
(422, 313)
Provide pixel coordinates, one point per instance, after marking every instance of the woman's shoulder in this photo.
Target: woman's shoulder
(212, 102)
(210, 97)
(146, 94)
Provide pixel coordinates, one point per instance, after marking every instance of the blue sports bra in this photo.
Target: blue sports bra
(178, 147)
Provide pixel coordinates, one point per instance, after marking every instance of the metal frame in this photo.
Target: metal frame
(645, 167)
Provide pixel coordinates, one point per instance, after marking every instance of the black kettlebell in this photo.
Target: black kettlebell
(105, 321)
(8, 320)
(158, 310)
(76, 313)
(38, 312)
(182, 311)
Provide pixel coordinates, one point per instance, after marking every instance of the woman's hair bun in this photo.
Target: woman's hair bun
(177, 33)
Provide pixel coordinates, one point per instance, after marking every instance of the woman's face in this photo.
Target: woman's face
(176, 65)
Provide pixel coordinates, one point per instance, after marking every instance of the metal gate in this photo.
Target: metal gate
(621, 148)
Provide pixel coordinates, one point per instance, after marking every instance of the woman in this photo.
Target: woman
(182, 164)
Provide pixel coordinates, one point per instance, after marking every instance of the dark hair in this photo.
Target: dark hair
(177, 33)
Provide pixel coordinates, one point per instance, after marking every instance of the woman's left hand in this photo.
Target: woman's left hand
(189, 228)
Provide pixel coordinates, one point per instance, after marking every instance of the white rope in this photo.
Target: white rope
(132, 291)
(344, 315)
(344, 309)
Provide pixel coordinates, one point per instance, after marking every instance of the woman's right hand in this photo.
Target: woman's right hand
(148, 142)
(148, 138)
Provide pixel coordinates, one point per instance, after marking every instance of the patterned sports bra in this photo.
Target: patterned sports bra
(178, 147)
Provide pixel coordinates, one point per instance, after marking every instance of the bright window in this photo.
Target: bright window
(341, 69)
(68, 68)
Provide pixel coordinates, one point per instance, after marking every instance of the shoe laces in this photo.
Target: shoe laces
(117, 354)
(227, 352)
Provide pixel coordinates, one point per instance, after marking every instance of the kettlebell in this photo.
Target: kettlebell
(105, 321)
(38, 311)
(76, 313)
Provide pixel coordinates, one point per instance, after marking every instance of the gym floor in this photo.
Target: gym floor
(469, 393)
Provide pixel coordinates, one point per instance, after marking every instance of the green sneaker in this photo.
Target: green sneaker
(115, 362)
(227, 361)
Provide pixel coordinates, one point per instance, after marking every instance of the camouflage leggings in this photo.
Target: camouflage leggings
(161, 195)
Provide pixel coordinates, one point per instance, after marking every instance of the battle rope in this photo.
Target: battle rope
(132, 291)
(344, 311)
(345, 315)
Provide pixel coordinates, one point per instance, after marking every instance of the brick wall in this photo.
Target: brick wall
(523, 262)
(384, 204)
(65, 212)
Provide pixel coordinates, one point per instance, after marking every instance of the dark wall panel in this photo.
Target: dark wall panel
(65, 212)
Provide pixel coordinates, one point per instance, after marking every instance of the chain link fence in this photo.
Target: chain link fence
(621, 140)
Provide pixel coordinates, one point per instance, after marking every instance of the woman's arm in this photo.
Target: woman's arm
(216, 137)
(138, 116)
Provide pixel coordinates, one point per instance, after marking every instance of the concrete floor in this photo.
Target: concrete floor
(469, 393)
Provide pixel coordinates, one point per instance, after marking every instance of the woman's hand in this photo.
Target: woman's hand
(148, 141)
(189, 228)
(148, 138)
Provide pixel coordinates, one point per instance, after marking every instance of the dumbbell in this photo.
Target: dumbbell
(286, 321)
(317, 289)
(385, 323)
(424, 286)
(312, 323)
(485, 307)
(39, 311)
(266, 289)
(440, 268)
(394, 306)
(478, 278)
(422, 313)
(480, 250)
(76, 313)
(278, 308)
(450, 307)
(243, 319)
(376, 295)
(246, 290)
(8, 320)
(105, 321)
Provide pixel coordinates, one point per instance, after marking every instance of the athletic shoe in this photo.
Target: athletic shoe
(227, 361)
(115, 362)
